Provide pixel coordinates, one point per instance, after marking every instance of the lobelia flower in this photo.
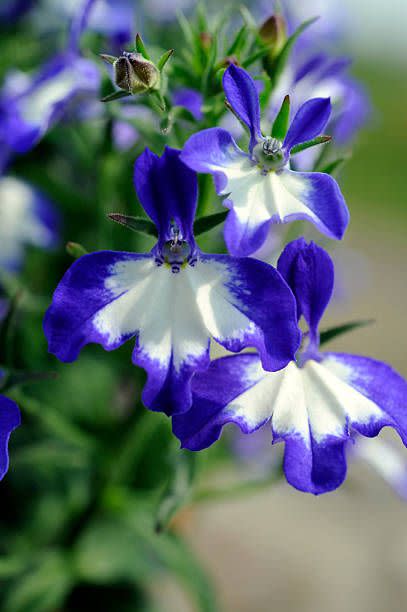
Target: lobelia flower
(314, 404)
(27, 218)
(260, 186)
(10, 419)
(173, 299)
(31, 105)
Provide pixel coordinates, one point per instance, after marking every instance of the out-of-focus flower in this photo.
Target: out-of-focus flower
(27, 218)
(173, 299)
(31, 104)
(10, 419)
(261, 187)
(11, 10)
(314, 404)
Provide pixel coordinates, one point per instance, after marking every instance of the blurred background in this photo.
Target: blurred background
(272, 549)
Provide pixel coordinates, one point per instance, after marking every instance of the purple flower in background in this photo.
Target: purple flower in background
(324, 76)
(11, 10)
(314, 404)
(260, 187)
(31, 105)
(27, 218)
(173, 299)
(9, 420)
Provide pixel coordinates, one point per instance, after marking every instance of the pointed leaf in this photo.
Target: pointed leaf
(178, 490)
(116, 95)
(254, 57)
(164, 59)
(329, 334)
(310, 143)
(204, 224)
(281, 122)
(140, 47)
(280, 62)
(136, 224)
(238, 41)
(333, 167)
(110, 59)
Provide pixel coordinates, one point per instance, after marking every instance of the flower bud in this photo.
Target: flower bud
(274, 33)
(135, 74)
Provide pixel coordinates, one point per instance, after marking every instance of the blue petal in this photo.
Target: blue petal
(109, 297)
(309, 122)
(190, 99)
(168, 191)
(323, 198)
(213, 151)
(242, 95)
(381, 384)
(309, 271)
(9, 420)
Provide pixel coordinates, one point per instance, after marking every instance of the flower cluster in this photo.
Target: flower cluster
(177, 301)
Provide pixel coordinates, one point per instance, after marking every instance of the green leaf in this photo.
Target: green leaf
(310, 143)
(110, 59)
(164, 59)
(254, 57)
(279, 64)
(238, 42)
(15, 378)
(333, 167)
(42, 589)
(178, 490)
(116, 95)
(329, 334)
(75, 250)
(136, 224)
(140, 47)
(280, 125)
(204, 224)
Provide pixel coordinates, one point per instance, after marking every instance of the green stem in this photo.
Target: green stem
(236, 491)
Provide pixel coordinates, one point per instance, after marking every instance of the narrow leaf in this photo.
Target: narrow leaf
(238, 42)
(76, 250)
(116, 95)
(204, 224)
(164, 59)
(140, 47)
(136, 224)
(280, 125)
(310, 143)
(110, 59)
(178, 490)
(256, 56)
(333, 167)
(329, 334)
(280, 62)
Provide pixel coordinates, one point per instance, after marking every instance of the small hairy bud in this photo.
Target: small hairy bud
(135, 74)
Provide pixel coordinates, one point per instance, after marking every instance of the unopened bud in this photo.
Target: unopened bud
(135, 74)
(274, 33)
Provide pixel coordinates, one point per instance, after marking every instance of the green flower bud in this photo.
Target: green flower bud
(135, 74)
(274, 33)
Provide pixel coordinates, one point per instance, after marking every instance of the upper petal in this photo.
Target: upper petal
(309, 121)
(309, 271)
(242, 95)
(168, 191)
(215, 152)
(9, 420)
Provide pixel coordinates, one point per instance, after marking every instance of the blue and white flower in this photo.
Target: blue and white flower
(27, 218)
(31, 104)
(314, 404)
(10, 419)
(173, 299)
(260, 186)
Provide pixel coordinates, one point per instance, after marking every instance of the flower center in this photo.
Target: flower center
(176, 252)
(269, 155)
